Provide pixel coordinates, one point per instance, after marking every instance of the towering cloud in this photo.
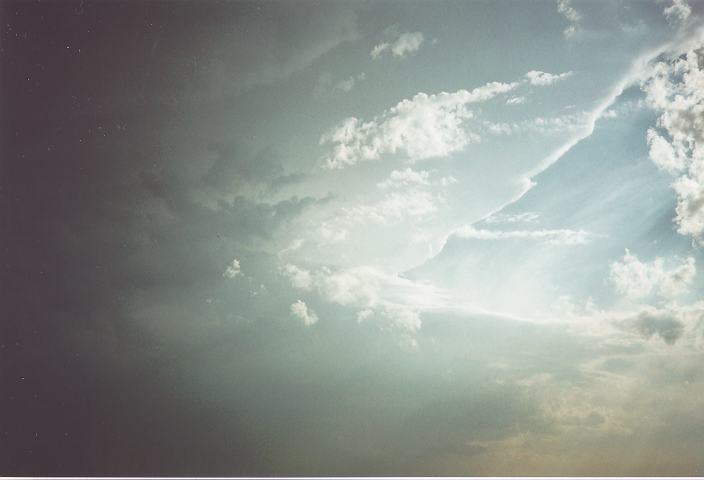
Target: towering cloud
(675, 88)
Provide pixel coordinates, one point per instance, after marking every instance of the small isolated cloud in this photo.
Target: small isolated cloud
(538, 78)
(402, 46)
(565, 8)
(518, 100)
(552, 237)
(327, 86)
(426, 126)
(635, 279)
(678, 12)
(347, 85)
(300, 309)
(233, 269)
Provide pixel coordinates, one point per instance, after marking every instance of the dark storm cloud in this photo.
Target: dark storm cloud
(106, 253)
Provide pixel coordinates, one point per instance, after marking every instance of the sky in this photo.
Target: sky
(352, 238)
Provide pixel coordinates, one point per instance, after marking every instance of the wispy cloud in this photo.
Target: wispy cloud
(565, 8)
(553, 237)
(536, 77)
(402, 46)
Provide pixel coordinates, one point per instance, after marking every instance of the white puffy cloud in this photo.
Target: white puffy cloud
(426, 126)
(536, 77)
(388, 298)
(233, 269)
(565, 8)
(678, 12)
(635, 279)
(405, 44)
(299, 277)
(676, 89)
(300, 309)
(553, 237)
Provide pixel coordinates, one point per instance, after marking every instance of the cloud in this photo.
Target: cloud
(552, 237)
(347, 85)
(572, 122)
(518, 100)
(402, 46)
(536, 77)
(233, 269)
(394, 206)
(665, 325)
(405, 178)
(326, 86)
(413, 178)
(674, 323)
(565, 8)
(676, 90)
(387, 297)
(523, 217)
(300, 309)
(635, 279)
(299, 278)
(426, 126)
(678, 12)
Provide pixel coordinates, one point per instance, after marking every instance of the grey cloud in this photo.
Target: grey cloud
(662, 324)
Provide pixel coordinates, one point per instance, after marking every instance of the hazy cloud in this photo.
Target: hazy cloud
(554, 237)
(565, 8)
(405, 44)
(300, 309)
(678, 12)
(635, 279)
